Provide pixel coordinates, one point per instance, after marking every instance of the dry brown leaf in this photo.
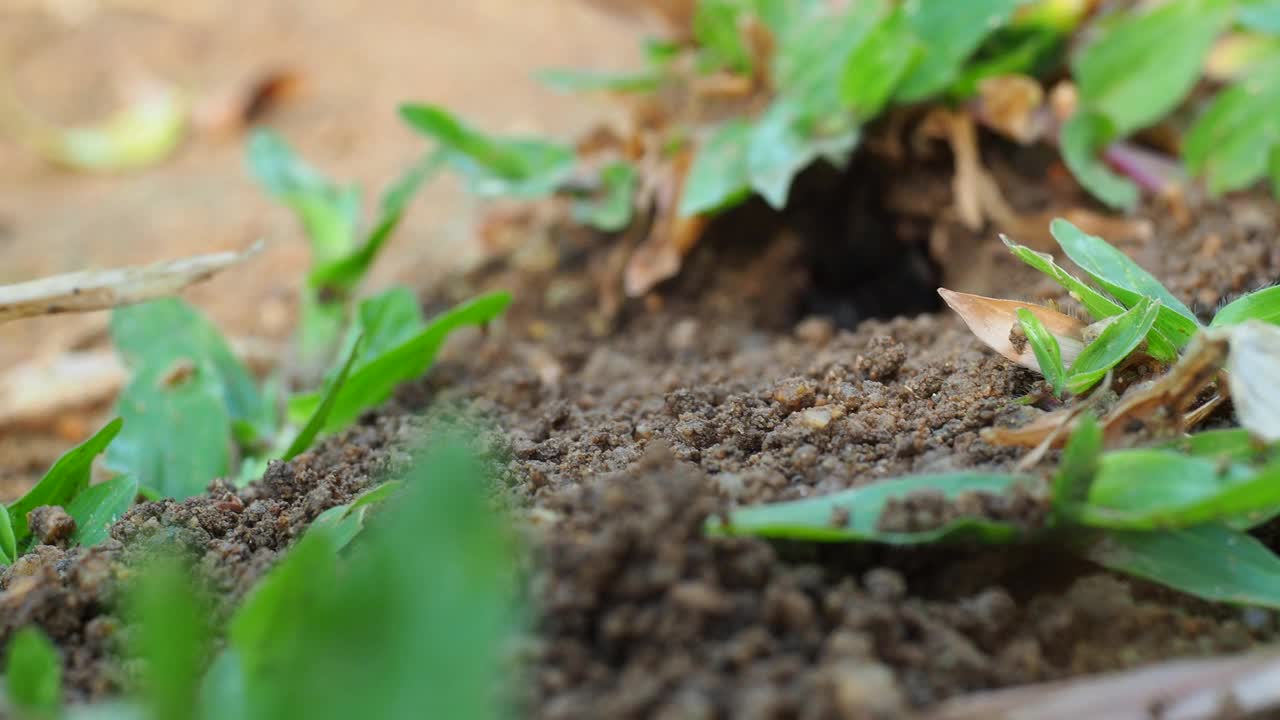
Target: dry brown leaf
(1240, 686)
(671, 237)
(1012, 105)
(246, 102)
(103, 289)
(993, 321)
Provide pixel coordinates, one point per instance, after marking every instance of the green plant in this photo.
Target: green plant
(1171, 513)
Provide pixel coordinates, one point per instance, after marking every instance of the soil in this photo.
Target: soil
(750, 378)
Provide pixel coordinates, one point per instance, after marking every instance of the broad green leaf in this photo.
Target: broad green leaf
(720, 175)
(1261, 305)
(329, 213)
(1081, 139)
(1140, 67)
(1260, 15)
(1211, 562)
(155, 337)
(1150, 489)
(719, 38)
(1232, 140)
(375, 379)
(341, 523)
(385, 320)
(307, 435)
(612, 210)
(177, 433)
(95, 509)
(513, 167)
(949, 32)
(68, 477)
(1073, 480)
(812, 55)
(1045, 346)
(345, 273)
(1028, 49)
(854, 515)
(576, 81)
(1125, 279)
(781, 146)
(8, 541)
(33, 674)
(876, 66)
(169, 634)
(1122, 335)
(1228, 444)
(376, 494)
(1095, 303)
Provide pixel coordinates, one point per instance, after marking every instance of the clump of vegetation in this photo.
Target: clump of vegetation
(1176, 512)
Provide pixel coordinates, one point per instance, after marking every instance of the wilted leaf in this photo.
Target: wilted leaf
(1121, 336)
(98, 507)
(854, 515)
(1011, 104)
(104, 289)
(1140, 67)
(1081, 139)
(1253, 368)
(68, 477)
(1125, 279)
(1210, 562)
(991, 320)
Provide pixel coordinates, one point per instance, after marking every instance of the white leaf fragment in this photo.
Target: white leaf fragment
(1253, 370)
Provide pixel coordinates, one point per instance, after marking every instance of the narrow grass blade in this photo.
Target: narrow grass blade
(1047, 351)
(1118, 339)
(854, 515)
(1211, 562)
(8, 542)
(307, 435)
(1078, 468)
(1261, 305)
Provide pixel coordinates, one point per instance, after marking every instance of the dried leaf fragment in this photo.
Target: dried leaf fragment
(1253, 372)
(103, 289)
(993, 321)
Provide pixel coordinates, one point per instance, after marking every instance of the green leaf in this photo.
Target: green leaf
(376, 494)
(1047, 351)
(329, 213)
(1155, 489)
(1232, 141)
(1027, 49)
(177, 435)
(715, 28)
(875, 68)
(1261, 305)
(385, 320)
(169, 634)
(1211, 562)
(949, 32)
(1125, 279)
(812, 56)
(68, 477)
(780, 147)
(611, 211)
(577, 81)
(1122, 335)
(154, 337)
(98, 507)
(345, 273)
(8, 541)
(1082, 137)
(720, 175)
(33, 674)
(854, 515)
(493, 167)
(1228, 444)
(1141, 67)
(1074, 477)
(1097, 304)
(1260, 15)
(375, 379)
(305, 437)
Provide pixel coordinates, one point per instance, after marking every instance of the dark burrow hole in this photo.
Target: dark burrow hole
(835, 251)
